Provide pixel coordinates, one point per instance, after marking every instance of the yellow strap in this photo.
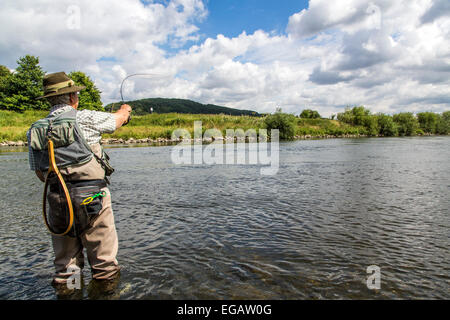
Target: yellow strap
(54, 168)
(57, 86)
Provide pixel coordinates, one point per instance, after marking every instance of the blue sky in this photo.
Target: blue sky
(232, 17)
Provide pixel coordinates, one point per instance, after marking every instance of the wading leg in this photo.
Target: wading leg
(101, 243)
(68, 253)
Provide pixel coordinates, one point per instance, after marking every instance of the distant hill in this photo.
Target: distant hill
(162, 105)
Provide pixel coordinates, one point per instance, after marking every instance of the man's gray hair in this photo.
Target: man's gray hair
(60, 99)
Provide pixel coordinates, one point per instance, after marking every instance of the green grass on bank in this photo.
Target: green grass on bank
(321, 127)
(13, 125)
(162, 125)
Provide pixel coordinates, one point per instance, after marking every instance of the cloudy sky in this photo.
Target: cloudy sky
(390, 56)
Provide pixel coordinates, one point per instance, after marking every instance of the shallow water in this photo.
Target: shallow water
(227, 232)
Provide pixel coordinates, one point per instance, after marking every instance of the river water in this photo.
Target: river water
(334, 208)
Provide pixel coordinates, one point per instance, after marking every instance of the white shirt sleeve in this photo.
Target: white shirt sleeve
(31, 159)
(94, 123)
(103, 122)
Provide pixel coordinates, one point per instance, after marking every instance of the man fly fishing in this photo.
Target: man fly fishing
(65, 153)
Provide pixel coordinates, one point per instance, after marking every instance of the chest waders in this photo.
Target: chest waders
(60, 149)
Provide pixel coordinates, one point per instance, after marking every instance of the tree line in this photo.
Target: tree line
(20, 89)
(360, 121)
(163, 105)
(400, 124)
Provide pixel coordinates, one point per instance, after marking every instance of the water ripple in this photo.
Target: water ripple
(226, 232)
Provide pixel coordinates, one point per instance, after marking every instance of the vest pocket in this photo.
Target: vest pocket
(85, 211)
(61, 134)
(58, 210)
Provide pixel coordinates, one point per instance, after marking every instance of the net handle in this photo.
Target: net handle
(54, 168)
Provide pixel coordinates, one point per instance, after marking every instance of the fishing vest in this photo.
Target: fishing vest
(75, 158)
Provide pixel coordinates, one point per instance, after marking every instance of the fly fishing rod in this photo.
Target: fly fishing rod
(122, 101)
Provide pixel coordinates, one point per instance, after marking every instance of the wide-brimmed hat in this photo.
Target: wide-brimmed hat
(59, 83)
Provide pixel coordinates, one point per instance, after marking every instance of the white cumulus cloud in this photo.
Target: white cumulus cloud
(390, 56)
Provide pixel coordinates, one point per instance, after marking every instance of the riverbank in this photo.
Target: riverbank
(13, 126)
(158, 128)
(131, 141)
(166, 141)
